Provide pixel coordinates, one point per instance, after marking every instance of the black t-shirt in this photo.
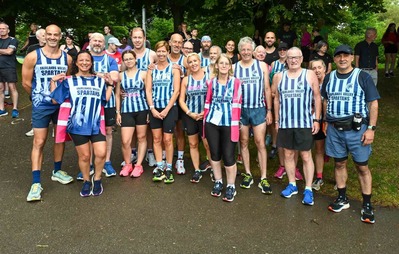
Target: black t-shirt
(33, 48)
(368, 54)
(8, 61)
(196, 45)
(287, 37)
(270, 58)
(326, 58)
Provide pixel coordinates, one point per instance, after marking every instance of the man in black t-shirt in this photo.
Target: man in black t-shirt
(271, 50)
(287, 35)
(8, 69)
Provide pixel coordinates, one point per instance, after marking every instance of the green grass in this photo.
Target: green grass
(384, 162)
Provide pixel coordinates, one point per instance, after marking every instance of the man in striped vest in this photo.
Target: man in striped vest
(295, 90)
(351, 102)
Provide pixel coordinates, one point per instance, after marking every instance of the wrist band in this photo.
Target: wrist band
(188, 112)
(151, 107)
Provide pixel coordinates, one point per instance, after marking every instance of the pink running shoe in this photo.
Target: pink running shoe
(137, 171)
(298, 175)
(280, 172)
(126, 170)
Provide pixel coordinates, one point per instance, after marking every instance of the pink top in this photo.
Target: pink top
(306, 39)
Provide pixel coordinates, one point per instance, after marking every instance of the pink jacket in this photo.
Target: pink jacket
(236, 108)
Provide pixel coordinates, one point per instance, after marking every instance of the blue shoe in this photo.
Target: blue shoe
(61, 177)
(97, 188)
(15, 113)
(35, 192)
(289, 191)
(108, 170)
(217, 189)
(230, 194)
(80, 175)
(86, 189)
(3, 112)
(268, 140)
(307, 197)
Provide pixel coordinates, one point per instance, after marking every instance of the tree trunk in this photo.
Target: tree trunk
(10, 21)
(178, 16)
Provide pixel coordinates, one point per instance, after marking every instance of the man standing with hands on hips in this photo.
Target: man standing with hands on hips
(351, 103)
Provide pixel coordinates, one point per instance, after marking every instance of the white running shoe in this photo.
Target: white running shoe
(180, 167)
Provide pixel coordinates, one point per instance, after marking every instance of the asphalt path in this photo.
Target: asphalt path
(139, 216)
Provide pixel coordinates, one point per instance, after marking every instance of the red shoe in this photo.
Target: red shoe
(298, 175)
(137, 171)
(280, 172)
(126, 170)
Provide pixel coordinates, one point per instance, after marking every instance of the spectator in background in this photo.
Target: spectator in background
(112, 50)
(69, 47)
(85, 46)
(125, 46)
(107, 34)
(31, 40)
(306, 44)
(40, 35)
(390, 40)
(183, 31)
(321, 53)
(287, 35)
(257, 38)
(316, 37)
(8, 69)
(187, 48)
(195, 41)
(366, 54)
(230, 51)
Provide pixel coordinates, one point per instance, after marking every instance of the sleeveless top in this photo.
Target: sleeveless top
(135, 100)
(144, 61)
(102, 64)
(195, 94)
(162, 86)
(296, 96)
(44, 70)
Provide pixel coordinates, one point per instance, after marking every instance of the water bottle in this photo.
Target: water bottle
(357, 122)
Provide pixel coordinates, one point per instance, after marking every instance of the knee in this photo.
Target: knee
(341, 165)
(141, 138)
(85, 157)
(193, 144)
(157, 140)
(109, 131)
(168, 141)
(260, 143)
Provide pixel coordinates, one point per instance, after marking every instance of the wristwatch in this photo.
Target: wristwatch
(372, 127)
(316, 120)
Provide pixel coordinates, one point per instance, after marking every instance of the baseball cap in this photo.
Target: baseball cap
(343, 49)
(206, 38)
(115, 41)
(282, 45)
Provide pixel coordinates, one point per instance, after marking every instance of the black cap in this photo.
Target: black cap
(282, 45)
(343, 49)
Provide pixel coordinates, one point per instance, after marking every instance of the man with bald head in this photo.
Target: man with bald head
(39, 67)
(103, 64)
(295, 90)
(271, 50)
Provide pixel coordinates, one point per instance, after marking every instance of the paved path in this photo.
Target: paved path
(139, 216)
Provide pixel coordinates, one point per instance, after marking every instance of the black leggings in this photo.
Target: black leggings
(220, 143)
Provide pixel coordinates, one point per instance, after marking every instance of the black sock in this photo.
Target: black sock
(342, 192)
(366, 199)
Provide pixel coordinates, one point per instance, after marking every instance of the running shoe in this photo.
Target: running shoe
(137, 171)
(80, 175)
(298, 175)
(196, 177)
(97, 187)
(280, 172)
(3, 112)
(150, 158)
(265, 186)
(247, 181)
(126, 170)
(239, 159)
(367, 214)
(229, 194)
(86, 189)
(217, 189)
(61, 177)
(15, 113)
(317, 184)
(108, 170)
(204, 166)
(289, 191)
(339, 204)
(212, 176)
(30, 133)
(158, 175)
(133, 159)
(7, 95)
(273, 153)
(308, 198)
(169, 177)
(35, 192)
(180, 167)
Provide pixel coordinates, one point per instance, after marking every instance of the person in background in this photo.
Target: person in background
(69, 47)
(230, 51)
(187, 48)
(260, 53)
(390, 40)
(287, 35)
(124, 46)
(306, 45)
(32, 39)
(107, 34)
(195, 41)
(321, 53)
(366, 54)
(257, 38)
